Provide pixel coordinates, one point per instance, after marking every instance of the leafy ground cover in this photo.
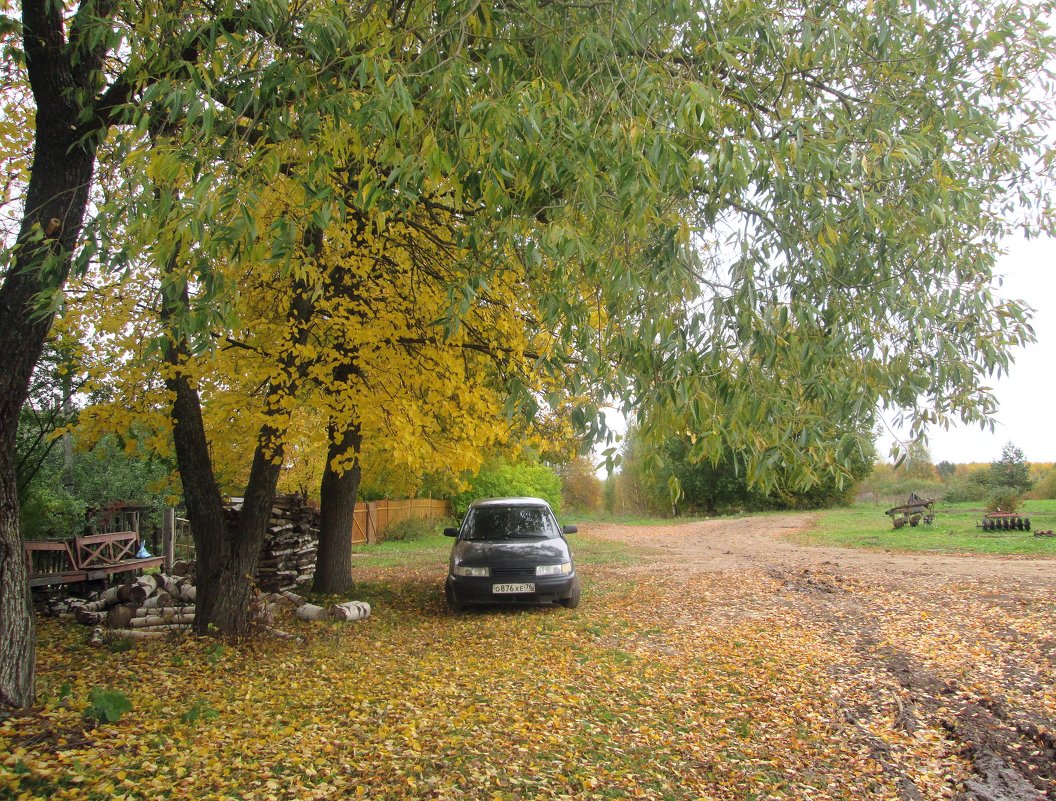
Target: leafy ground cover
(956, 530)
(415, 703)
(667, 683)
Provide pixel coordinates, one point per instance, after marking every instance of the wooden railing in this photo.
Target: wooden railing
(86, 558)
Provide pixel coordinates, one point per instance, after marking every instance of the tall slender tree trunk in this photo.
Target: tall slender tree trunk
(226, 569)
(17, 633)
(227, 558)
(337, 495)
(55, 204)
(56, 198)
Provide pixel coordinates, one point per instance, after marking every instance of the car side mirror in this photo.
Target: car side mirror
(569, 529)
(450, 532)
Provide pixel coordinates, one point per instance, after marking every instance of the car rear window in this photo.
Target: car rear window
(510, 523)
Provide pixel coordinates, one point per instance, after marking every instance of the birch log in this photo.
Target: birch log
(163, 611)
(151, 621)
(312, 612)
(351, 610)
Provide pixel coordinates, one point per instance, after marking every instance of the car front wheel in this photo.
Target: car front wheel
(453, 603)
(572, 601)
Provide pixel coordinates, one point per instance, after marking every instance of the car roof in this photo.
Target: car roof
(491, 502)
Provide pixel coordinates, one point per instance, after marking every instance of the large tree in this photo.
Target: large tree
(80, 66)
(364, 356)
(755, 217)
(65, 56)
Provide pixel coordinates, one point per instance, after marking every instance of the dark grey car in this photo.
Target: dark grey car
(511, 551)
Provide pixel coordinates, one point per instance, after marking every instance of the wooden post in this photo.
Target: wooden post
(168, 537)
(372, 523)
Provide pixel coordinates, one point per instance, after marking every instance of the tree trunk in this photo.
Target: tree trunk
(337, 496)
(61, 70)
(227, 558)
(58, 191)
(223, 599)
(201, 494)
(17, 634)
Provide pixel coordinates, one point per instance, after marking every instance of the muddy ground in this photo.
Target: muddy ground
(956, 653)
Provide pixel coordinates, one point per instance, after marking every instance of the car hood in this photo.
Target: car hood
(511, 553)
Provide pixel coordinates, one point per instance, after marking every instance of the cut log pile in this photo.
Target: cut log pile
(158, 605)
(153, 605)
(287, 557)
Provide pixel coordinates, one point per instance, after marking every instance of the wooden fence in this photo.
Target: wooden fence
(373, 517)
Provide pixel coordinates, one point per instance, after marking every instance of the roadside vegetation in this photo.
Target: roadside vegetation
(992, 483)
(956, 529)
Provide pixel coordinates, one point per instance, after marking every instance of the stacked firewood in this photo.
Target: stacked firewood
(153, 605)
(287, 557)
(157, 605)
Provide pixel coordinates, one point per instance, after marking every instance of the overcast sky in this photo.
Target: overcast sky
(1027, 415)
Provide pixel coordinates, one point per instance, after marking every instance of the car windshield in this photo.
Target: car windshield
(510, 523)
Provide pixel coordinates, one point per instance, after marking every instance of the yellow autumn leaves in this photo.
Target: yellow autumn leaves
(374, 352)
(688, 687)
(537, 705)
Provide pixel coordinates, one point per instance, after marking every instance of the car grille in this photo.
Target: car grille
(512, 572)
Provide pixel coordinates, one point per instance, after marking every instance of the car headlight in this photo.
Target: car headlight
(462, 570)
(554, 570)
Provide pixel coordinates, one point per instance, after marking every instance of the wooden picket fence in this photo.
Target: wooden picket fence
(373, 517)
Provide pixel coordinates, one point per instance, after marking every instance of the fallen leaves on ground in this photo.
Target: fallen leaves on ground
(754, 686)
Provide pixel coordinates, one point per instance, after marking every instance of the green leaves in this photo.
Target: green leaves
(199, 710)
(748, 220)
(106, 706)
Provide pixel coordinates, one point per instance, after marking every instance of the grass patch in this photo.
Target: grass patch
(956, 530)
(590, 551)
(432, 552)
(579, 518)
(426, 552)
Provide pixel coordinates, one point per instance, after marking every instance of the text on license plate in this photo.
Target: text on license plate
(507, 588)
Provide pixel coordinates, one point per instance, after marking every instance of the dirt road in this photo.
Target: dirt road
(763, 542)
(940, 660)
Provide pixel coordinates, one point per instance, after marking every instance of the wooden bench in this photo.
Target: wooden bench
(85, 558)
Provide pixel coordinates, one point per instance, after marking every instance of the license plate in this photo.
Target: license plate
(508, 588)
